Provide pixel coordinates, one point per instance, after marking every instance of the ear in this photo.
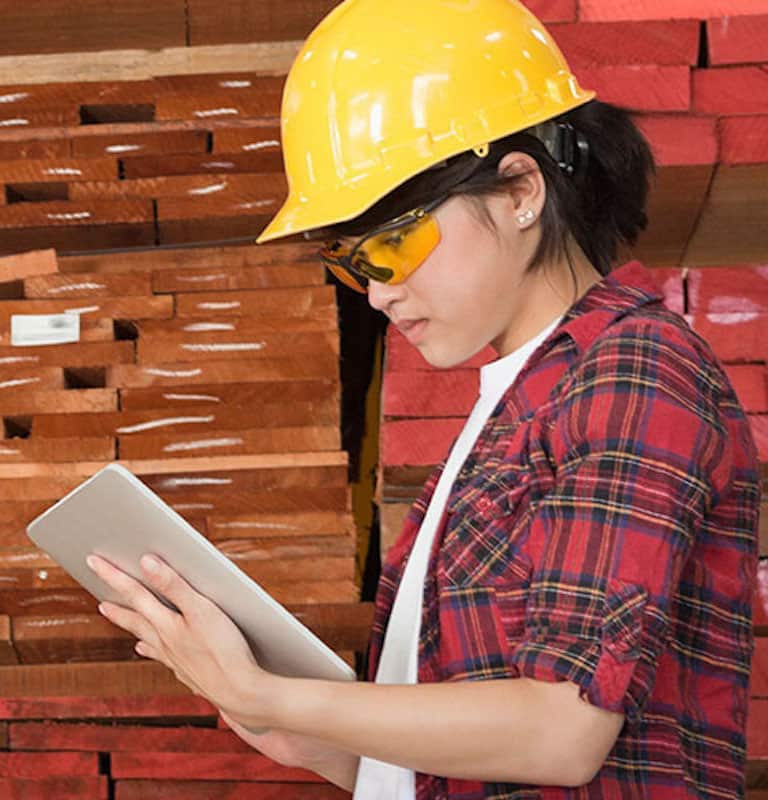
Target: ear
(529, 192)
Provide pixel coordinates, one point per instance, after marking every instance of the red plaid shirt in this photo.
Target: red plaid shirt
(603, 530)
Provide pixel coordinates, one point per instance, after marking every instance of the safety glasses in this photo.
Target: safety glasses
(388, 253)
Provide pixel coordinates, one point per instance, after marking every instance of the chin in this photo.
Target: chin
(441, 359)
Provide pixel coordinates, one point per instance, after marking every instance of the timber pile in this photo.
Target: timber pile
(213, 375)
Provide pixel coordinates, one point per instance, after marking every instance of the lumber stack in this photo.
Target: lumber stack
(213, 375)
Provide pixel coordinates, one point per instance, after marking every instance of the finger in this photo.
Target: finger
(172, 586)
(136, 596)
(130, 621)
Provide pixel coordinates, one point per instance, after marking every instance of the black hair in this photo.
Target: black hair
(603, 205)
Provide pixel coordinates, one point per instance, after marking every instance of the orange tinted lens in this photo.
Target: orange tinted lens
(404, 249)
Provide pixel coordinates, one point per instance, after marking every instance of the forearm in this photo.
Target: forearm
(503, 730)
(340, 768)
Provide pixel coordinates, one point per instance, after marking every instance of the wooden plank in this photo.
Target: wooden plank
(264, 185)
(282, 525)
(90, 25)
(97, 679)
(744, 139)
(254, 161)
(679, 140)
(35, 148)
(261, 139)
(125, 284)
(146, 142)
(227, 442)
(238, 279)
(80, 354)
(14, 377)
(670, 282)
(199, 257)
(224, 790)
(91, 311)
(148, 423)
(235, 371)
(728, 289)
(55, 450)
(318, 320)
(249, 22)
(76, 93)
(32, 765)
(24, 265)
(737, 40)
(179, 705)
(675, 203)
(597, 10)
(25, 118)
(58, 170)
(293, 302)
(8, 653)
(737, 205)
(204, 346)
(734, 337)
(204, 766)
(138, 65)
(234, 394)
(228, 103)
(418, 442)
(640, 87)
(61, 787)
(730, 90)
(95, 737)
(65, 401)
(392, 517)
(188, 220)
(659, 42)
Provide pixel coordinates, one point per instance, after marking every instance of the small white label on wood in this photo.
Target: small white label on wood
(39, 329)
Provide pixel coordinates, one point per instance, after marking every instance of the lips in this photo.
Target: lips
(412, 329)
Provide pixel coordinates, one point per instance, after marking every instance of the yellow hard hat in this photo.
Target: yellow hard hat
(383, 89)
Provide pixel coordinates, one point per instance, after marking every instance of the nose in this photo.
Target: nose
(382, 295)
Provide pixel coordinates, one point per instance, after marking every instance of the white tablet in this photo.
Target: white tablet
(114, 515)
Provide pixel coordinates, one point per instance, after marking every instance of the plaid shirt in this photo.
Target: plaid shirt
(603, 530)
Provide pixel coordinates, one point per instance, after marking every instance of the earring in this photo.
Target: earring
(526, 216)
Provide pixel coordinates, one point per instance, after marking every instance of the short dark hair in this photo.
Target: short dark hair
(603, 207)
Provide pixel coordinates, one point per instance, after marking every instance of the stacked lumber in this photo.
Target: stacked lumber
(213, 375)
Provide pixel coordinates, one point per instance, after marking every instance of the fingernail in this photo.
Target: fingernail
(151, 564)
(91, 562)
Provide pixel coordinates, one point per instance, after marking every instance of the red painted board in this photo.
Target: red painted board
(679, 140)
(418, 442)
(759, 426)
(433, 393)
(757, 730)
(120, 738)
(552, 10)
(640, 87)
(730, 90)
(734, 336)
(207, 767)
(33, 765)
(154, 707)
(738, 40)
(758, 676)
(224, 790)
(55, 788)
(744, 139)
(658, 42)
(726, 290)
(593, 10)
(750, 382)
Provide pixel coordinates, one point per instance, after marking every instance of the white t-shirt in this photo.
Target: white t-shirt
(377, 780)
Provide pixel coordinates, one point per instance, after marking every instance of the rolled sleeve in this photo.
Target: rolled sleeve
(635, 442)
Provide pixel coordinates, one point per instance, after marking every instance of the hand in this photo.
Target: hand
(295, 750)
(199, 643)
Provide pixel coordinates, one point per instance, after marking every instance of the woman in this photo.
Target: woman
(567, 611)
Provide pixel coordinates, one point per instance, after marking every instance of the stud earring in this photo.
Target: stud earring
(526, 216)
